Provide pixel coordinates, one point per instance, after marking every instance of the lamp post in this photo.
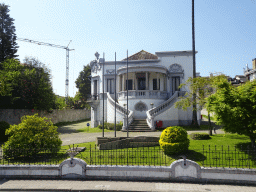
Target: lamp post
(152, 105)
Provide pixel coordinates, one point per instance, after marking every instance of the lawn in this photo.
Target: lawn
(222, 150)
(227, 153)
(93, 130)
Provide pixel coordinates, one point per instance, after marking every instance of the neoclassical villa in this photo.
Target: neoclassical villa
(153, 88)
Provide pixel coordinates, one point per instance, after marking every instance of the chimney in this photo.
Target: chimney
(254, 63)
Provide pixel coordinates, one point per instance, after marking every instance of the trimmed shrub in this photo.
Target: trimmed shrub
(3, 127)
(111, 126)
(200, 136)
(33, 135)
(174, 140)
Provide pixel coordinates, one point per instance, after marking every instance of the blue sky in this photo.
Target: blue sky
(224, 32)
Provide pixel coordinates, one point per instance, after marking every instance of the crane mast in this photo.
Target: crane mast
(67, 58)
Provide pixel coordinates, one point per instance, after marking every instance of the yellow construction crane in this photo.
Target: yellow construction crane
(67, 58)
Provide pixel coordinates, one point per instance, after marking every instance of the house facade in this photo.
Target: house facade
(250, 73)
(153, 87)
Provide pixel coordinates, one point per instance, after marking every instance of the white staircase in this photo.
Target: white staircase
(152, 113)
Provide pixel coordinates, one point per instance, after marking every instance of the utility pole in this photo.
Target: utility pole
(194, 117)
(67, 58)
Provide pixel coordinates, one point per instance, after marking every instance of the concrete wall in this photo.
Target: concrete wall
(13, 116)
(180, 170)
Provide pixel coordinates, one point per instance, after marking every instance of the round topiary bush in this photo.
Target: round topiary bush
(33, 135)
(174, 140)
(200, 136)
(3, 127)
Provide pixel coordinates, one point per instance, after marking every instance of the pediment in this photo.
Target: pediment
(142, 55)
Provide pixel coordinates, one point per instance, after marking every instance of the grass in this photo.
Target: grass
(225, 148)
(70, 122)
(93, 130)
(188, 128)
(211, 117)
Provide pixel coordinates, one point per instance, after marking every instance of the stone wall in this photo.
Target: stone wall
(179, 171)
(13, 116)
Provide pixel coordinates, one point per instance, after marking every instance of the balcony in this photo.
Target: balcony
(93, 101)
(143, 94)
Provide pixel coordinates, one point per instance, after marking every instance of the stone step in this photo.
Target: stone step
(135, 126)
(135, 130)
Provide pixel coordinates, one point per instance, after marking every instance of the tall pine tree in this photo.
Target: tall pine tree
(8, 45)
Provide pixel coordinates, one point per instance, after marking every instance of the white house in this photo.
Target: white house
(153, 81)
(251, 73)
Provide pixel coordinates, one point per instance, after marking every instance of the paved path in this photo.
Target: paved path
(69, 135)
(74, 185)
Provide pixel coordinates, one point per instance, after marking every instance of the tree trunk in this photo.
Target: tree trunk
(253, 142)
(210, 125)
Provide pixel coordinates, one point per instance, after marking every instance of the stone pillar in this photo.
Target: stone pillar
(136, 82)
(134, 78)
(146, 80)
(157, 84)
(124, 82)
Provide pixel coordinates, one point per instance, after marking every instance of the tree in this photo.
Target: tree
(83, 82)
(33, 135)
(8, 45)
(31, 84)
(60, 102)
(204, 87)
(235, 108)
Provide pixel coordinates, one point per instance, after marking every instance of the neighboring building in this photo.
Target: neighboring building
(250, 74)
(153, 81)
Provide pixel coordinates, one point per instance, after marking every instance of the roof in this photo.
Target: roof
(142, 55)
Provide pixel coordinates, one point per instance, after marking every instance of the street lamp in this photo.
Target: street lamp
(152, 105)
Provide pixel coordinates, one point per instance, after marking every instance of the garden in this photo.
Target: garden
(222, 150)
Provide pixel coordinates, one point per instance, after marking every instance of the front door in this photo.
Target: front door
(141, 83)
(175, 84)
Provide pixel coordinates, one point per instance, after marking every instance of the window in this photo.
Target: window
(175, 84)
(155, 84)
(110, 86)
(129, 84)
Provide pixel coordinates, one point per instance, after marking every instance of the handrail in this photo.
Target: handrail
(118, 106)
(121, 109)
(161, 108)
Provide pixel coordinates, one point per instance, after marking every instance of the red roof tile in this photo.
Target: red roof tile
(142, 55)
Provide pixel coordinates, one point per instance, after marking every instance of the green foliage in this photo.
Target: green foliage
(33, 135)
(174, 140)
(8, 45)
(111, 126)
(83, 83)
(31, 86)
(60, 103)
(200, 136)
(203, 87)
(235, 108)
(3, 127)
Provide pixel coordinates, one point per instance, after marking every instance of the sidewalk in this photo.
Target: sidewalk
(74, 185)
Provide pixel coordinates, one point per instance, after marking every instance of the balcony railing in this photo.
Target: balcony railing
(143, 94)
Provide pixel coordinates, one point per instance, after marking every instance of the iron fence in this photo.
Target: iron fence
(209, 156)
(240, 156)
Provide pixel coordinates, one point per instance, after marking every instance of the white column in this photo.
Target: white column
(124, 82)
(136, 83)
(157, 84)
(134, 88)
(146, 80)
